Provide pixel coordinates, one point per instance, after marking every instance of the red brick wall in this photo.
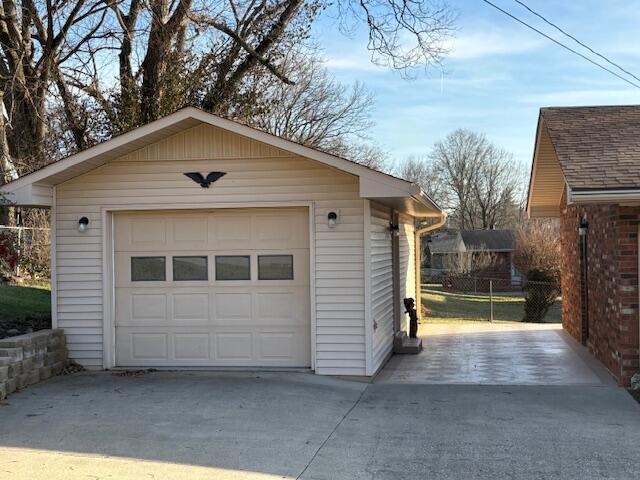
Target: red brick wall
(570, 272)
(612, 283)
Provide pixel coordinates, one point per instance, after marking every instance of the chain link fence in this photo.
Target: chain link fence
(25, 252)
(476, 298)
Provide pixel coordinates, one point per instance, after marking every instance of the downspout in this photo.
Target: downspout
(418, 257)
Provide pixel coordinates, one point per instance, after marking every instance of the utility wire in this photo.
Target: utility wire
(562, 44)
(576, 40)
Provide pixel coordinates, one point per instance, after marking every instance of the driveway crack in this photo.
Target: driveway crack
(324, 442)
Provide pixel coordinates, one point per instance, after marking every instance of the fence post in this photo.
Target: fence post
(491, 299)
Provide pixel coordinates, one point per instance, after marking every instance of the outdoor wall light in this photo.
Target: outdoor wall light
(584, 226)
(82, 224)
(394, 229)
(332, 219)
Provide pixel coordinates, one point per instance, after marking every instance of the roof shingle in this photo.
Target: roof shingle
(597, 147)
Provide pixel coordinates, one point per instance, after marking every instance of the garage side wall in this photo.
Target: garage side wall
(152, 177)
(381, 285)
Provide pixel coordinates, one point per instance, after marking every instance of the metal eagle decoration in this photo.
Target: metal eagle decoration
(212, 177)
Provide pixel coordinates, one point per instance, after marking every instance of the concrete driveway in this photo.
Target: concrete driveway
(497, 354)
(169, 425)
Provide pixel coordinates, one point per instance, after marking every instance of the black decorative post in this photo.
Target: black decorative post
(410, 308)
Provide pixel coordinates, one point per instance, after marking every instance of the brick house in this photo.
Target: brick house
(586, 171)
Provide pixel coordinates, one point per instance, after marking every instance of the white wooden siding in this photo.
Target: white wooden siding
(154, 177)
(381, 285)
(407, 265)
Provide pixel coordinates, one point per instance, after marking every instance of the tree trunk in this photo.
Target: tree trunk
(159, 47)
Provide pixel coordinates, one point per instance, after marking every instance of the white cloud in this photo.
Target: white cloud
(492, 42)
(353, 63)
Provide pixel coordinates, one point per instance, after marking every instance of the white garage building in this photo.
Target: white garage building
(290, 257)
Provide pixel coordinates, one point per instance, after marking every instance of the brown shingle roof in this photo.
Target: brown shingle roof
(597, 147)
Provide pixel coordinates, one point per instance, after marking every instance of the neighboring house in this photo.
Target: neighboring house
(497, 243)
(586, 171)
(443, 247)
(437, 245)
(290, 257)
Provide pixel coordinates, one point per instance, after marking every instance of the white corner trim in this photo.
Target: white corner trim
(54, 262)
(312, 283)
(108, 291)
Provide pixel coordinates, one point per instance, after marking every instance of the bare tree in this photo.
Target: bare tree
(403, 34)
(317, 111)
(423, 172)
(468, 263)
(484, 181)
(171, 53)
(537, 248)
(537, 256)
(35, 39)
(198, 52)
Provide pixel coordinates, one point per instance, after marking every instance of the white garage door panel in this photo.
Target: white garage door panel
(212, 323)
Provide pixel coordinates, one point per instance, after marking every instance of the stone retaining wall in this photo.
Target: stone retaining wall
(30, 358)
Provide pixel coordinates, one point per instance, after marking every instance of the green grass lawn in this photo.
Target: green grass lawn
(443, 306)
(18, 301)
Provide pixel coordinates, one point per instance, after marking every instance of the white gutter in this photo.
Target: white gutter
(611, 195)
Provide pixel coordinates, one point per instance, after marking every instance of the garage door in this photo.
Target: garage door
(212, 288)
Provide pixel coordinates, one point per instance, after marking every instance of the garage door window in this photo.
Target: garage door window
(275, 267)
(190, 268)
(148, 269)
(233, 267)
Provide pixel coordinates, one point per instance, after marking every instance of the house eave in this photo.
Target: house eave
(417, 204)
(27, 195)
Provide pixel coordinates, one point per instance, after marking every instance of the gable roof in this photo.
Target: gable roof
(491, 240)
(35, 189)
(592, 153)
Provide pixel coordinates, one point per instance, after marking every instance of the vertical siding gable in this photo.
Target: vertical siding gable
(204, 141)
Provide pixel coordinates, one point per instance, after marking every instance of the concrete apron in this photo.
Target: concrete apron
(172, 425)
(482, 353)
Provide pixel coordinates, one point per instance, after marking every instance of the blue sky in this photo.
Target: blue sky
(497, 76)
